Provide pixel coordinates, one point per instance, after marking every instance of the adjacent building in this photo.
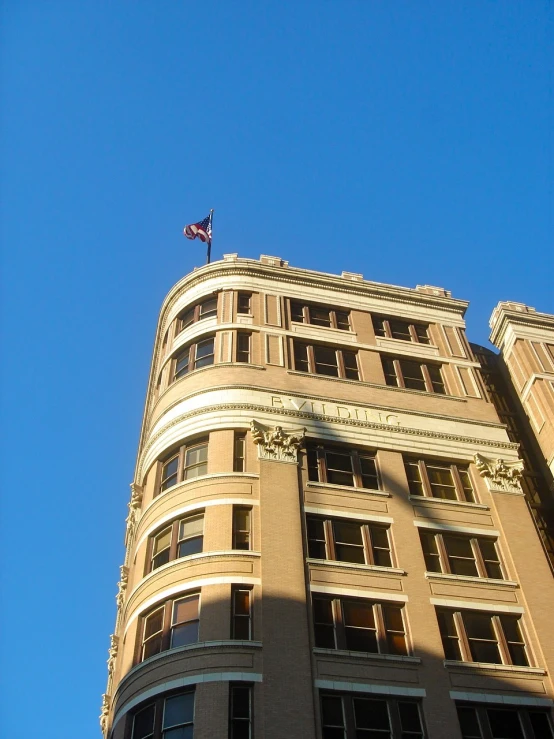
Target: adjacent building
(331, 532)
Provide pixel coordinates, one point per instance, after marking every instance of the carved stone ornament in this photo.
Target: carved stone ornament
(134, 506)
(122, 585)
(104, 711)
(500, 476)
(277, 444)
(112, 653)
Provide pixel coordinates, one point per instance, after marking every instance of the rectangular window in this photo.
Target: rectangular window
(204, 309)
(173, 624)
(342, 466)
(241, 527)
(190, 460)
(244, 341)
(483, 721)
(344, 540)
(325, 360)
(396, 328)
(460, 554)
(239, 451)
(169, 718)
(369, 717)
(320, 315)
(244, 303)
(241, 618)
(413, 375)
(194, 356)
(240, 711)
(476, 636)
(359, 626)
(439, 480)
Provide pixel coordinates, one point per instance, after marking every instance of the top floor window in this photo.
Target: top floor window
(396, 328)
(413, 375)
(204, 309)
(244, 303)
(320, 315)
(325, 360)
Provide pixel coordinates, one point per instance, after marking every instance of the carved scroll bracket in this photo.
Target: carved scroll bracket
(500, 476)
(277, 444)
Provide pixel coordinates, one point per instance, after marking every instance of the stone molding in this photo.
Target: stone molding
(276, 445)
(500, 476)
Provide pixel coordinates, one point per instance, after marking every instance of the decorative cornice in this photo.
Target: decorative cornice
(277, 445)
(254, 408)
(500, 476)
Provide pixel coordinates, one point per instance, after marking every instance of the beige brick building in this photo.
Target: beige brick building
(328, 536)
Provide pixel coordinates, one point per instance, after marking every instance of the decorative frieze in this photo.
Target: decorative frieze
(277, 444)
(500, 476)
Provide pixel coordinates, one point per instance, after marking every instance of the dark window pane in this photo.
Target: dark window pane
(169, 473)
(241, 702)
(320, 316)
(160, 559)
(316, 538)
(182, 363)
(430, 552)
(323, 611)
(301, 357)
(478, 625)
(204, 353)
(241, 628)
(339, 468)
(343, 320)
(190, 546)
(409, 717)
(371, 714)
(296, 312)
(208, 308)
(350, 365)
(243, 303)
(242, 602)
(442, 482)
(541, 725)
(313, 468)
(466, 484)
(436, 379)
(186, 318)
(469, 723)
(184, 634)
(331, 709)
(332, 733)
(400, 330)
(412, 374)
(450, 641)
(369, 473)
(361, 640)
(243, 347)
(414, 478)
(422, 335)
(504, 724)
(390, 372)
(324, 636)
(326, 361)
(152, 646)
(378, 326)
(178, 710)
(153, 623)
(143, 723)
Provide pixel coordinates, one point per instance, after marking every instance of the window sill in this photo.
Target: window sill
(494, 667)
(460, 503)
(368, 655)
(471, 579)
(349, 488)
(345, 331)
(377, 569)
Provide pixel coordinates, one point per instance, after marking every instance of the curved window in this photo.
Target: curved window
(173, 624)
(193, 356)
(182, 537)
(190, 460)
(166, 718)
(206, 308)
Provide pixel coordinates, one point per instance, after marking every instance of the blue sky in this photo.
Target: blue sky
(411, 142)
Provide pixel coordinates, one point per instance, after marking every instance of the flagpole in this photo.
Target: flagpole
(210, 241)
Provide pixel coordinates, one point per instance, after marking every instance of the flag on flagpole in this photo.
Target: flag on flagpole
(202, 230)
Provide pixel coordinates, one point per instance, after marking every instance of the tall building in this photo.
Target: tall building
(327, 536)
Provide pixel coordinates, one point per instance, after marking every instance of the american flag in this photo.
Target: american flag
(202, 229)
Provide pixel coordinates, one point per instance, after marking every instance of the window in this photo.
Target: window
(501, 722)
(439, 480)
(476, 636)
(241, 616)
(239, 451)
(340, 466)
(193, 356)
(183, 537)
(459, 554)
(359, 626)
(205, 309)
(320, 315)
(241, 527)
(167, 718)
(348, 541)
(190, 460)
(396, 328)
(244, 341)
(325, 360)
(244, 303)
(357, 717)
(413, 375)
(174, 624)
(240, 712)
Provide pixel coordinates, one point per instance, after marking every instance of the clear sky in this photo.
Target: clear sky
(409, 141)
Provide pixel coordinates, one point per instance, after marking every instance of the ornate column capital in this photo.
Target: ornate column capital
(500, 476)
(277, 444)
